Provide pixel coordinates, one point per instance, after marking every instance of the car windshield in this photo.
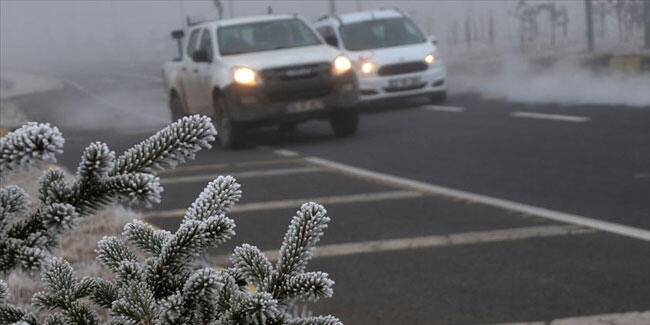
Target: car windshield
(265, 36)
(380, 33)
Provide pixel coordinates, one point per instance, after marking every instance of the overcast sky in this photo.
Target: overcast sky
(55, 30)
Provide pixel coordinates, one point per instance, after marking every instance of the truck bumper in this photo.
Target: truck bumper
(269, 105)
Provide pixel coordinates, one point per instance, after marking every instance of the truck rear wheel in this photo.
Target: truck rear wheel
(228, 131)
(345, 122)
(175, 108)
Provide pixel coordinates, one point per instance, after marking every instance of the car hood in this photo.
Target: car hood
(283, 57)
(389, 55)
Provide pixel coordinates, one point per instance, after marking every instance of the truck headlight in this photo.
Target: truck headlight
(245, 76)
(367, 67)
(430, 59)
(341, 65)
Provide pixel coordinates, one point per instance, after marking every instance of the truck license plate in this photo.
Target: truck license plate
(404, 82)
(305, 106)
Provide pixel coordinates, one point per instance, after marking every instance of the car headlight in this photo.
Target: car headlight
(245, 76)
(341, 65)
(430, 59)
(367, 67)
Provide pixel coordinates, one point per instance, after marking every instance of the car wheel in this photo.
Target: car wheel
(438, 98)
(229, 133)
(345, 122)
(175, 108)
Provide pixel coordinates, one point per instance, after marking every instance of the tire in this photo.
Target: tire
(228, 131)
(438, 98)
(288, 128)
(345, 122)
(175, 108)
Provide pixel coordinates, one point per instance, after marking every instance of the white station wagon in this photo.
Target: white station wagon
(391, 56)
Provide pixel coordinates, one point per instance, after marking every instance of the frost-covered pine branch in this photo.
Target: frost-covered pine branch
(101, 179)
(30, 144)
(168, 285)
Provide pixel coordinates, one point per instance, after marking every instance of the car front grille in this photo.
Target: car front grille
(400, 68)
(298, 82)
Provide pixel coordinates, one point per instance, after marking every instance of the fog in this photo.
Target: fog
(38, 36)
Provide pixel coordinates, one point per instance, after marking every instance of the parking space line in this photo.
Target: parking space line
(449, 109)
(554, 117)
(285, 153)
(405, 183)
(240, 175)
(295, 203)
(192, 168)
(635, 317)
(466, 238)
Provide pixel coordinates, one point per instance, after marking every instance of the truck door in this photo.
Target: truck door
(203, 75)
(188, 74)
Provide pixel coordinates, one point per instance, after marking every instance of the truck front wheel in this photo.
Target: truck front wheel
(175, 108)
(228, 131)
(345, 122)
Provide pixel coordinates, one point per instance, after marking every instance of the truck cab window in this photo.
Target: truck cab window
(191, 44)
(206, 43)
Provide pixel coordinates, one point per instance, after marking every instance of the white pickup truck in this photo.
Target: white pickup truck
(261, 70)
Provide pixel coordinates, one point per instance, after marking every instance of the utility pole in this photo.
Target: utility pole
(359, 5)
(231, 8)
(332, 7)
(491, 29)
(590, 25)
(646, 14)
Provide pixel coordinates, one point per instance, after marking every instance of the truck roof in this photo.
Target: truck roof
(359, 16)
(246, 20)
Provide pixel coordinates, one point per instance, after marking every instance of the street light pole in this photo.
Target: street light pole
(332, 7)
(590, 25)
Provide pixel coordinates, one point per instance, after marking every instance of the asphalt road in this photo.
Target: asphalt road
(417, 253)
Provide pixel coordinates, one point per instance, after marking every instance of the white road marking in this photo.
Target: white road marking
(466, 238)
(629, 318)
(284, 204)
(427, 188)
(239, 175)
(554, 117)
(138, 75)
(104, 101)
(450, 109)
(642, 175)
(285, 153)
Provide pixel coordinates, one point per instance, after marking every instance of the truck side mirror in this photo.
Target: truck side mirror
(201, 56)
(331, 40)
(179, 33)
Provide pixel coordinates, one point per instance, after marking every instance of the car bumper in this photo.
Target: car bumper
(258, 105)
(373, 87)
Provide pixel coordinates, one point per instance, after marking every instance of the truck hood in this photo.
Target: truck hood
(390, 55)
(283, 57)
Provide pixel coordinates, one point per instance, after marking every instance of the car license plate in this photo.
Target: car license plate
(404, 82)
(305, 106)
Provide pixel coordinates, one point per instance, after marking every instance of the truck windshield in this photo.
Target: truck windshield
(380, 33)
(265, 36)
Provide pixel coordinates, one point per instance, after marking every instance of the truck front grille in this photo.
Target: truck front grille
(400, 68)
(298, 82)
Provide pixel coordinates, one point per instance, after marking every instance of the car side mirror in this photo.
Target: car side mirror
(332, 40)
(201, 56)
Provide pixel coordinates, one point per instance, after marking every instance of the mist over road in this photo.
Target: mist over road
(385, 246)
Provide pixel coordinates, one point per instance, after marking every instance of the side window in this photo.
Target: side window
(328, 35)
(206, 43)
(191, 44)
